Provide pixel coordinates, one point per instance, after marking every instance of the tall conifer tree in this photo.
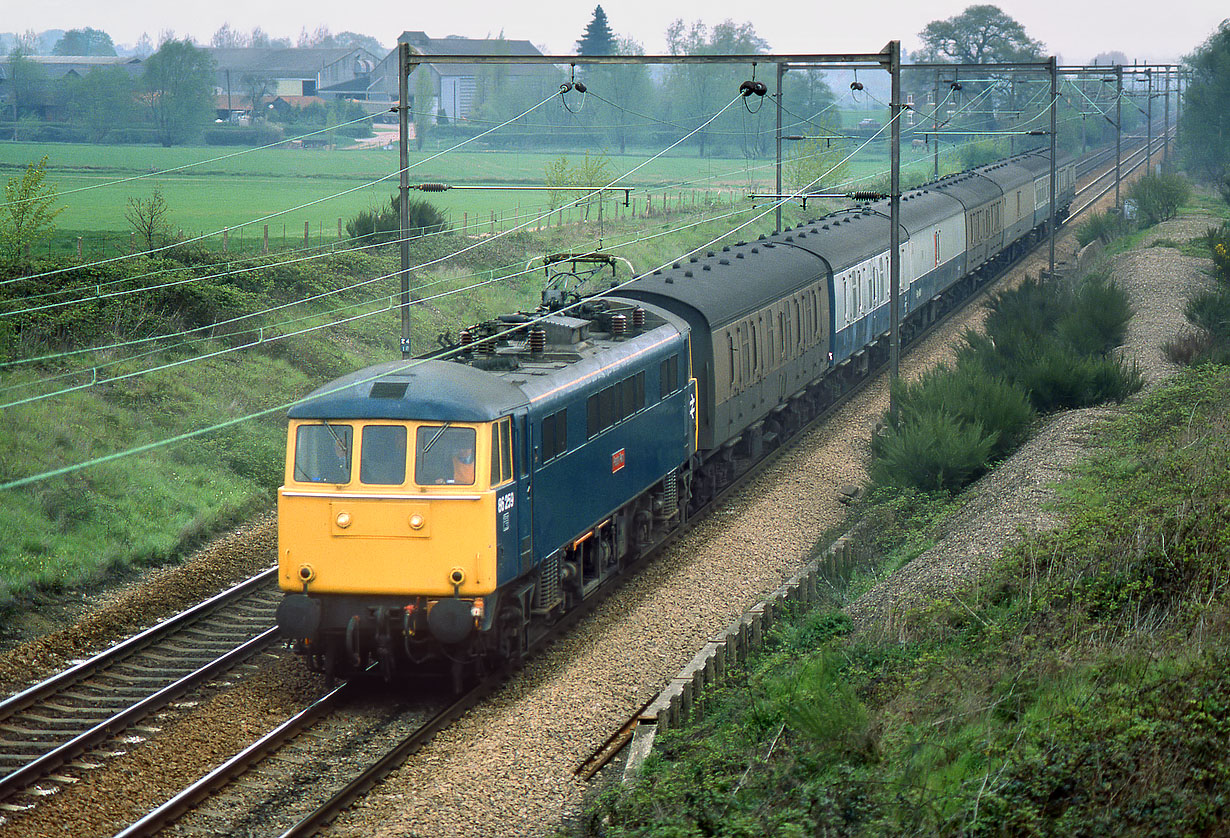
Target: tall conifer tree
(598, 39)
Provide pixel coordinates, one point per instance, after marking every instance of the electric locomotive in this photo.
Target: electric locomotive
(441, 508)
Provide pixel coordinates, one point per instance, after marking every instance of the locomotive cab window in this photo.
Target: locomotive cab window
(322, 453)
(444, 455)
(383, 457)
(501, 452)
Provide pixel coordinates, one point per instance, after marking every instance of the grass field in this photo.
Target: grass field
(288, 188)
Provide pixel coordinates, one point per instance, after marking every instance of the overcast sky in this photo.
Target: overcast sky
(1076, 30)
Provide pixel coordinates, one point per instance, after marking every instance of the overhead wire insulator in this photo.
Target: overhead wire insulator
(750, 88)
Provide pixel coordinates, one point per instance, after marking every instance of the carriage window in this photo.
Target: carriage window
(383, 460)
(668, 375)
(444, 454)
(322, 453)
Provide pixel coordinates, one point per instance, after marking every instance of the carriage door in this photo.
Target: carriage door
(523, 448)
(507, 523)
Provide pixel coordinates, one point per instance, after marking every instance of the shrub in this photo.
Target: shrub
(1096, 314)
(382, 224)
(1219, 248)
(1057, 378)
(1158, 197)
(971, 395)
(260, 133)
(1211, 312)
(1102, 226)
(931, 451)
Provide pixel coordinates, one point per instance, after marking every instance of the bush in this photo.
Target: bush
(1096, 314)
(382, 224)
(1102, 226)
(1158, 197)
(1218, 240)
(971, 395)
(1211, 312)
(931, 451)
(260, 134)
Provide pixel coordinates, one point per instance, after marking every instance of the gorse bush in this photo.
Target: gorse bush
(931, 451)
(1218, 239)
(1102, 226)
(1095, 315)
(971, 395)
(1046, 347)
(1158, 197)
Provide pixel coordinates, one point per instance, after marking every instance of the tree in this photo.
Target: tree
(178, 85)
(28, 82)
(84, 42)
(703, 90)
(356, 40)
(229, 38)
(322, 38)
(979, 35)
(101, 100)
(630, 90)
(1205, 123)
(257, 87)
(150, 219)
(424, 104)
(598, 38)
(29, 211)
(1110, 59)
(144, 47)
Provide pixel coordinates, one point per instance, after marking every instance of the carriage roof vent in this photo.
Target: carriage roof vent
(388, 389)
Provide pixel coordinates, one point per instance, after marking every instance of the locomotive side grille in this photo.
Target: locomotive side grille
(670, 493)
(547, 589)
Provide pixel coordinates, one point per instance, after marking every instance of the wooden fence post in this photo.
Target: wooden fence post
(307, 234)
(265, 249)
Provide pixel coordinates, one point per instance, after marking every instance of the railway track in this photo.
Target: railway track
(46, 729)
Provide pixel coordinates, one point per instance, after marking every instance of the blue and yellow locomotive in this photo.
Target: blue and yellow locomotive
(436, 507)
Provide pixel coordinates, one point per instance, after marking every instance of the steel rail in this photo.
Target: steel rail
(73, 675)
(49, 761)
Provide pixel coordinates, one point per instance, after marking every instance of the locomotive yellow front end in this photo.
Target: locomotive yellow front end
(389, 531)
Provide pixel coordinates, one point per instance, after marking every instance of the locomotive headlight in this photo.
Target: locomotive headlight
(306, 573)
(343, 519)
(416, 522)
